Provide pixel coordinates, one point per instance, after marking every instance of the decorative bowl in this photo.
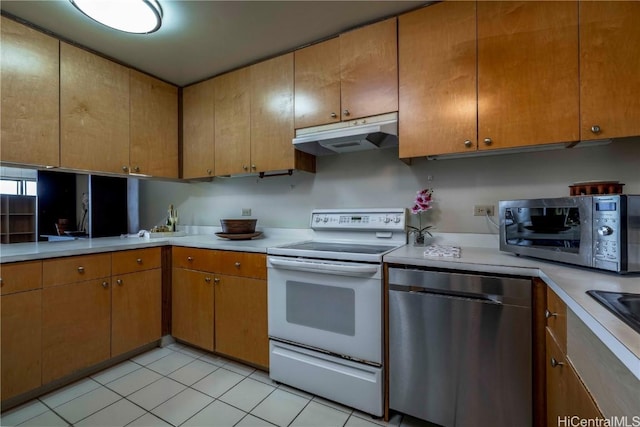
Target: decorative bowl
(238, 226)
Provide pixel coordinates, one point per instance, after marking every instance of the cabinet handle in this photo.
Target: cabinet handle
(119, 281)
(237, 264)
(555, 363)
(333, 115)
(253, 167)
(216, 280)
(1, 282)
(244, 167)
(105, 285)
(125, 168)
(468, 143)
(207, 279)
(549, 314)
(209, 171)
(136, 169)
(487, 141)
(346, 112)
(139, 260)
(189, 259)
(595, 129)
(80, 269)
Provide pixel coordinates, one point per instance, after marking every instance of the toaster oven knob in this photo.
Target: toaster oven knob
(605, 230)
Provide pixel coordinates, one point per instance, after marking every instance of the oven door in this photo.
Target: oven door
(334, 306)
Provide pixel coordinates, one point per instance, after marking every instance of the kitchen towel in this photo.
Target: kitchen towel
(442, 251)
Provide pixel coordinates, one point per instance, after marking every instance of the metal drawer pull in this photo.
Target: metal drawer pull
(555, 363)
(207, 279)
(468, 143)
(119, 281)
(139, 260)
(549, 314)
(237, 264)
(105, 284)
(189, 259)
(81, 270)
(216, 280)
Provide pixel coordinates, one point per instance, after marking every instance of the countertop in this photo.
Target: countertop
(569, 282)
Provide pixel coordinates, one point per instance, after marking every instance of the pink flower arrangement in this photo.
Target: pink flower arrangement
(422, 203)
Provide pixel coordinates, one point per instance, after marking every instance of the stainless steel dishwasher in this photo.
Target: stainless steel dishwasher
(460, 348)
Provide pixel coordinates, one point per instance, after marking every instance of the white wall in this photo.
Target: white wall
(379, 179)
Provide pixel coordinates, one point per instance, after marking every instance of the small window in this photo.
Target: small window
(9, 186)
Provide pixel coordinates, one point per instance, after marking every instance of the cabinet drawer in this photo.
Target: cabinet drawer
(60, 271)
(556, 314)
(193, 259)
(20, 276)
(241, 264)
(136, 260)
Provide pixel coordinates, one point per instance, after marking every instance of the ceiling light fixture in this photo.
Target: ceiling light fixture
(131, 16)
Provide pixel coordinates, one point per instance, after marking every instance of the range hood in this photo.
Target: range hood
(368, 133)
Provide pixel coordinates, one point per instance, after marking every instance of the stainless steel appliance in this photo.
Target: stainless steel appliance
(325, 306)
(592, 231)
(460, 348)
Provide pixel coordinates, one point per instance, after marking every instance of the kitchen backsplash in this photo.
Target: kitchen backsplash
(379, 179)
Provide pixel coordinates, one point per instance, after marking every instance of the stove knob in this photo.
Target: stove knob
(387, 220)
(397, 219)
(318, 219)
(326, 219)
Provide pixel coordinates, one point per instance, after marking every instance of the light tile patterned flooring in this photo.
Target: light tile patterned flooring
(181, 386)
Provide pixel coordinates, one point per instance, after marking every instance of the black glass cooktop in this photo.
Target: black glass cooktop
(353, 248)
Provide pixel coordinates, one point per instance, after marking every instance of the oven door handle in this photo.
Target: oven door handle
(325, 267)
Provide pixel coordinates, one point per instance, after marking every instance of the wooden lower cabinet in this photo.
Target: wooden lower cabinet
(241, 319)
(21, 346)
(136, 310)
(193, 307)
(566, 394)
(76, 327)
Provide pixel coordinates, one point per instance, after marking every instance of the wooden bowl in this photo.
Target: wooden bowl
(238, 226)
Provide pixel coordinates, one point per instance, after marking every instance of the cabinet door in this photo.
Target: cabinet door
(30, 79)
(20, 325)
(566, 394)
(154, 126)
(197, 130)
(369, 70)
(272, 114)
(136, 310)
(76, 327)
(437, 78)
(192, 307)
(317, 84)
(528, 90)
(609, 69)
(232, 122)
(94, 112)
(241, 319)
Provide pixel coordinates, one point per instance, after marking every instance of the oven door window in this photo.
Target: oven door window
(549, 227)
(324, 307)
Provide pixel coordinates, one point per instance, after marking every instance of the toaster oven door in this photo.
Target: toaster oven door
(558, 229)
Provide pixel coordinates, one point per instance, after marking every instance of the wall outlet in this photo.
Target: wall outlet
(246, 211)
(483, 210)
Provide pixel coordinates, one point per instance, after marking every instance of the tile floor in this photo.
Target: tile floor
(182, 386)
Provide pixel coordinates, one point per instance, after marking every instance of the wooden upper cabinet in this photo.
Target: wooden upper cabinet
(528, 90)
(94, 112)
(232, 122)
(437, 80)
(30, 77)
(369, 70)
(198, 130)
(153, 118)
(272, 114)
(317, 84)
(609, 69)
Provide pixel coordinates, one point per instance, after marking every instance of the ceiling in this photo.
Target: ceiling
(200, 39)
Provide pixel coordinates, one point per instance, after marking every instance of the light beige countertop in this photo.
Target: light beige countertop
(570, 283)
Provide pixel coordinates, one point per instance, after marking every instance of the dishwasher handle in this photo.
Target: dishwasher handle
(489, 299)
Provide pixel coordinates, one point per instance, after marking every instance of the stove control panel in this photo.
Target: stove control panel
(391, 219)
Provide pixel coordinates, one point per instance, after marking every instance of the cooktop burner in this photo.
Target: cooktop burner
(340, 247)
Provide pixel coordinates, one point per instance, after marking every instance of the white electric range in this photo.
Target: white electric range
(325, 305)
